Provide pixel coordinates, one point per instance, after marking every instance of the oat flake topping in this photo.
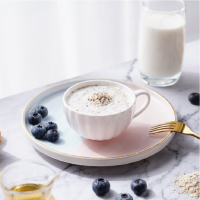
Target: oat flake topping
(100, 98)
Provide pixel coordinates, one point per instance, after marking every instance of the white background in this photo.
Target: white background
(42, 42)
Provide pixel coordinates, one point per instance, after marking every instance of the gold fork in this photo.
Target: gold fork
(173, 126)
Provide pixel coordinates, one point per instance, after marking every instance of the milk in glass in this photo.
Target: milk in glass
(161, 44)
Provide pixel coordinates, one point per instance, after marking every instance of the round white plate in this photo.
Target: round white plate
(132, 145)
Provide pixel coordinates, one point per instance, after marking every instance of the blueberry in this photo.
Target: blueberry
(51, 125)
(38, 131)
(34, 118)
(42, 110)
(52, 135)
(101, 186)
(124, 196)
(138, 186)
(194, 98)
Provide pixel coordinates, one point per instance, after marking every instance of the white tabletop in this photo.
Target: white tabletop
(75, 182)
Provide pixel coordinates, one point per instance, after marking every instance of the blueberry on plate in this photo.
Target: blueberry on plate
(51, 125)
(52, 135)
(139, 186)
(34, 118)
(101, 186)
(42, 110)
(194, 98)
(38, 131)
(124, 196)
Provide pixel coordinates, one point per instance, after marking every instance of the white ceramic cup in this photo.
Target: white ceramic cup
(102, 127)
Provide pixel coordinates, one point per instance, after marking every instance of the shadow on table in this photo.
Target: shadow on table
(5, 158)
(110, 195)
(150, 194)
(186, 81)
(56, 163)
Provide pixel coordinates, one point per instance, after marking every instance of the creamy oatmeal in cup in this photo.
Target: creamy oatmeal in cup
(100, 109)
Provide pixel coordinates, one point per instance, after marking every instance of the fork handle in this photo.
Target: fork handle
(192, 134)
(195, 135)
(188, 131)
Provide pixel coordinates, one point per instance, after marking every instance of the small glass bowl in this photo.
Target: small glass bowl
(27, 180)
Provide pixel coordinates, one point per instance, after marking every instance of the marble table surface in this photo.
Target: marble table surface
(181, 155)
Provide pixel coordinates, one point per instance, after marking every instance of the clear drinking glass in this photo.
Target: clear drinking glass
(27, 180)
(161, 41)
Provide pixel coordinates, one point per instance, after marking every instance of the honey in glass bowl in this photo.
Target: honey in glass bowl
(27, 180)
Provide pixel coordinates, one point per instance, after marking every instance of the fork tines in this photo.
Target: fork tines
(169, 126)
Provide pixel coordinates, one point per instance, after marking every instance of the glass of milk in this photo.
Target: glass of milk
(161, 41)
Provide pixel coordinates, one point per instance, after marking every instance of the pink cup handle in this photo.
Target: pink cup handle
(146, 103)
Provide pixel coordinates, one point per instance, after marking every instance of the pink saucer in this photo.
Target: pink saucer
(132, 145)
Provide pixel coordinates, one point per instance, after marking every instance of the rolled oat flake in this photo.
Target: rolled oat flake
(189, 184)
